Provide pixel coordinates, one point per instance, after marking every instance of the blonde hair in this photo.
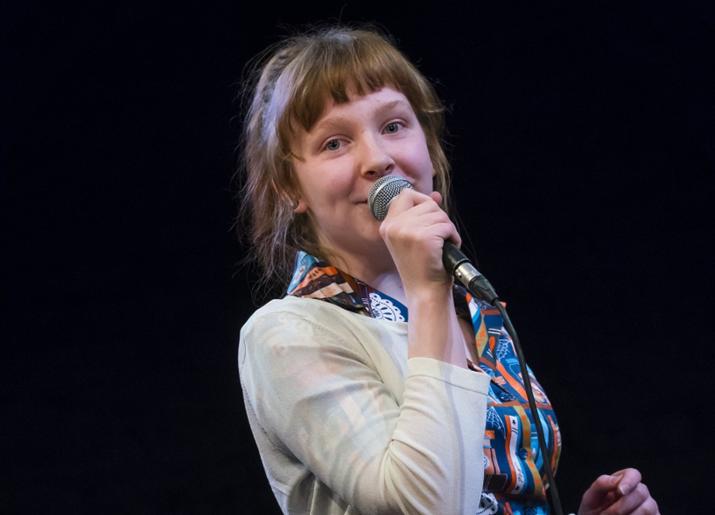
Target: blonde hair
(289, 86)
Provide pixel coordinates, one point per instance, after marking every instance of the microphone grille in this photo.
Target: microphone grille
(383, 191)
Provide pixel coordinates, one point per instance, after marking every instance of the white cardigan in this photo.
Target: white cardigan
(345, 423)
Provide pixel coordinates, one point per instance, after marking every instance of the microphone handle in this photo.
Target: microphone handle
(456, 264)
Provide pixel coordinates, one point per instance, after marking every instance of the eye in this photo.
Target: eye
(392, 127)
(332, 144)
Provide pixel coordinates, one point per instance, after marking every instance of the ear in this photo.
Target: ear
(300, 206)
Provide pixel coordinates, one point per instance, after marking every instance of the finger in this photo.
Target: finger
(611, 497)
(630, 478)
(422, 211)
(605, 483)
(410, 197)
(413, 202)
(447, 232)
(597, 494)
(425, 217)
(431, 225)
(649, 507)
(419, 215)
(399, 203)
(437, 197)
(629, 502)
(415, 218)
(417, 223)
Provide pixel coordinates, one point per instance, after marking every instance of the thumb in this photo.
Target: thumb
(597, 494)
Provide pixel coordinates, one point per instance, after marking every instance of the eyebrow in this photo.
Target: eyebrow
(336, 121)
(394, 103)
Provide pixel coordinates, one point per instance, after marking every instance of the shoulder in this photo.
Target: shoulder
(289, 304)
(293, 314)
(298, 326)
(292, 328)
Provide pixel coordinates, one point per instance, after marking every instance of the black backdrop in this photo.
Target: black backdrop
(582, 144)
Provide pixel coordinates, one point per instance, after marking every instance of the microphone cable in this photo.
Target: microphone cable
(552, 491)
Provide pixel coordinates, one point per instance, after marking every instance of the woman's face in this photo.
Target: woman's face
(345, 152)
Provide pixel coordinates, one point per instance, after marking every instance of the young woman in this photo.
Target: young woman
(375, 385)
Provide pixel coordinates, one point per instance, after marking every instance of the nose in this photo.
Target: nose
(375, 161)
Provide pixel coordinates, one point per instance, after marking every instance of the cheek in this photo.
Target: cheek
(422, 167)
(329, 192)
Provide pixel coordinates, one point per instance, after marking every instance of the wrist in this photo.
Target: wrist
(433, 296)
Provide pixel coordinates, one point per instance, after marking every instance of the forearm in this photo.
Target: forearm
(433, 329)
(434, 461)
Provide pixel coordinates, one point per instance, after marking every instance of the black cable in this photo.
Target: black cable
(552, 491)
(458, 265)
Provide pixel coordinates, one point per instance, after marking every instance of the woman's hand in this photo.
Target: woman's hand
(621, 493)
(414, 231)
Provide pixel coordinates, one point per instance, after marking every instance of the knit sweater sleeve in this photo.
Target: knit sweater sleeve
(316, 392)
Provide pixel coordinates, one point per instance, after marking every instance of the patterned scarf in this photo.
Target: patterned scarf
(513, 464)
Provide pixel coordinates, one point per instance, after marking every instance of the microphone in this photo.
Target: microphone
(455, 262)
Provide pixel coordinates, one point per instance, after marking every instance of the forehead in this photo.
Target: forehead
(383, 99)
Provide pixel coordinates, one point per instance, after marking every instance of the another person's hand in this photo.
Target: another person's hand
(621, 493)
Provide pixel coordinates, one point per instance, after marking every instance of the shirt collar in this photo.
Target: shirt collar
(317, 279)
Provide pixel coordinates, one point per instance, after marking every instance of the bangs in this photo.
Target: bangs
(337, 66)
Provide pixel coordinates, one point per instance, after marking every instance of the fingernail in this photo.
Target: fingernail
(622, 489)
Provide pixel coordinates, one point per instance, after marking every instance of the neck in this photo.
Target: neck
(391, 284)
(377, 271)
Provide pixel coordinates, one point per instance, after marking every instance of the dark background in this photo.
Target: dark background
(583, 148)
